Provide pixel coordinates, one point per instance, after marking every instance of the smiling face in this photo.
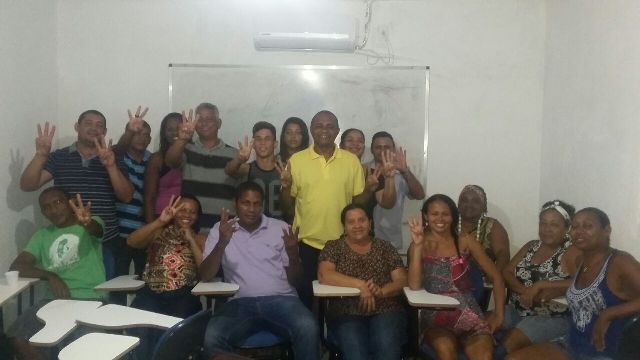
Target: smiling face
(55, 207)
(354, 143)
(91, 127)
(439, 217)
(552, 227)
(356, 225)
(171, 130)
(587, 233)
(324, 130)
(264, 143)
(187, 216)
(249, 209)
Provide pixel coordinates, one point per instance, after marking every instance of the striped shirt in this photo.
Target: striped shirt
(130, 216)
(203, 176)
(89, 178)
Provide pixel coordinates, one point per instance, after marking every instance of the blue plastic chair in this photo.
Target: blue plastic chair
(184, 340)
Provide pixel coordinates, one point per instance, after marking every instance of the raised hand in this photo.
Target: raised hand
(188, 126)
(44, 139)
(285, 174)
(136, 121)
(83, 213)
(417, 231)
(244, 149)
(171, 210)
(290, 238)
(106, 155)
(400, 160)
(388, 167)
(227, 227)
(371, 181)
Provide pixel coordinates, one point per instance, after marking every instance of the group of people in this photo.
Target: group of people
(275, 221)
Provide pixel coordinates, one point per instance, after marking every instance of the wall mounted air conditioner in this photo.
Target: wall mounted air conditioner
(339, 35)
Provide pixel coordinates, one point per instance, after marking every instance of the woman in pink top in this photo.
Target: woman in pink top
(160, 181)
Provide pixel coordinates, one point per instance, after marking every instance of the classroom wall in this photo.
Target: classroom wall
(590, 125)
(486, 59)
(28, 92)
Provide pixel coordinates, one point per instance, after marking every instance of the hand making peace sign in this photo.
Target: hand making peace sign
(136, 121)
(244, 149)
(83, 213)
(227, 227)
(44, 139)
(171, 210)
(188, 126)
(106, 155)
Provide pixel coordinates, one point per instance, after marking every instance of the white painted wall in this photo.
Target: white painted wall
(28, 78)
(486, 58)
(590, 147)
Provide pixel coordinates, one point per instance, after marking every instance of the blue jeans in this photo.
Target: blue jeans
(378, 336)
(284, 316)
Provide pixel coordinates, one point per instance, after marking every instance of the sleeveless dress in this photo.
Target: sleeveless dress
(529, 273)
(169, 184)
(585, 305)
(450, 276)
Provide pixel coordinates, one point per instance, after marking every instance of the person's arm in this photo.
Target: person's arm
(25, 264)
(35, 175)
(287, 201)
(554, 289)
(173, 157)
(238, 167)
(624, 281)
(294, 268)
(371, 184)
(386, 197)
(195, 243)
(142, 237)
(211, 264)
(509, 271)
(122, 188)
(415, 252)
(499, 240)
(416, 191)
(328, 275)
(496, 318)
(151, 181)
(398, 282)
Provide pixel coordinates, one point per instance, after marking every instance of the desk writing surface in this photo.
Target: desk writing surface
(422, 298)
(7, 292)
(121, 283)
(560, 300)
(321, 290)
(60, 317)
(121, 317)
(99, 346)
(215, 288)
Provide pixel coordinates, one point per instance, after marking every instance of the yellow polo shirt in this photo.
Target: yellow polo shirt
(322, 189)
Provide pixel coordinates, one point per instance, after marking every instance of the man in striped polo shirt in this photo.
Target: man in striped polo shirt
(87, 167)
(202, 162)
(132, 149)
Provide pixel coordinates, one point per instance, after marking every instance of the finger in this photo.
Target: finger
(79, 202)
(190, 115)
(73, 205)
(110, 143)
(175, 202)
(144, 112)
(129, 113)
(88, 207)
(40, 130)
(251, 144)
(224, 216)
(246, 141)
(95, 141)
(138, 111)
(53, 131)
(184, 118)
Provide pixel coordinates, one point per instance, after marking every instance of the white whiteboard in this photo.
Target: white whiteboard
(393, 99)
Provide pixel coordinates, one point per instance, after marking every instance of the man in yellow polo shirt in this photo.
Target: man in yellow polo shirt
(320, 181)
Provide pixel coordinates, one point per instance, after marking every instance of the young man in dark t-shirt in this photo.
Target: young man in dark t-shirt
(263, 169)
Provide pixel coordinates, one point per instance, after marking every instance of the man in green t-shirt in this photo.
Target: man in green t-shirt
(67, 254)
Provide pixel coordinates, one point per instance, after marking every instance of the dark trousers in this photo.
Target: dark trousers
(309, 256)
(123, 256)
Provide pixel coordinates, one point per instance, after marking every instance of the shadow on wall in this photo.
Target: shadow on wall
(18, 200)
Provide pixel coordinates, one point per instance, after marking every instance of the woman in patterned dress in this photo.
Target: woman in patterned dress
(373, 325)
(540, 271)
(174, 252)
(602, 297)
(439, 262)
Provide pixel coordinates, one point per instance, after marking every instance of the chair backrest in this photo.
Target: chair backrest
(628, 346)
(183, 340)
